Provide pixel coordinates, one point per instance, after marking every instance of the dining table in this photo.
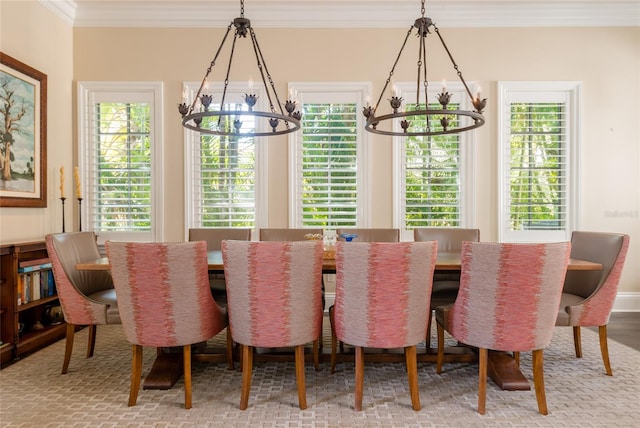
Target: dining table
(502, 367)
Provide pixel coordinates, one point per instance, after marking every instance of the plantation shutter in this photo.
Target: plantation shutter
(224, 182)
(432, 180)
(121, 189)
(536, 197)
(328, 171)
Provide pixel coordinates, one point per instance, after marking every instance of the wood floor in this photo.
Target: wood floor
(624, 327)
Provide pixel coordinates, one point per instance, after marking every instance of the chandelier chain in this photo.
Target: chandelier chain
(242, 8)
(386, 84)
(455, 65)
(423, 10)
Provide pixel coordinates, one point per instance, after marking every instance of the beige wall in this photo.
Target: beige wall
(606, 60)
(33, 35)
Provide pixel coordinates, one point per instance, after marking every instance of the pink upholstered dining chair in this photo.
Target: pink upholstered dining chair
(508, 301)
(274, 299)
(367, 274)
(87, 298)
(588, 296)
(165, 301)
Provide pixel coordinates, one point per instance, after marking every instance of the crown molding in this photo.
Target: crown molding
(347, 14)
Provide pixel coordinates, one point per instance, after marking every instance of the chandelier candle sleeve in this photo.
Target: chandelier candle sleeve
(62, 182)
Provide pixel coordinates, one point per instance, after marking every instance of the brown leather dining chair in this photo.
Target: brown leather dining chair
(87, 298)
(214, 237)
(445, 284)
(371, 234)
(588, 296)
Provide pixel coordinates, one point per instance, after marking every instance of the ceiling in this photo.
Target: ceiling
(347, 14)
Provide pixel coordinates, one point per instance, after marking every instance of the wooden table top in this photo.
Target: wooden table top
(445, 261)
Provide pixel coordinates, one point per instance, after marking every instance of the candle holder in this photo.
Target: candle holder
(63, 199)
(80, 214)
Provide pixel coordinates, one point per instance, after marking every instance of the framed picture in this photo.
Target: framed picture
(23, 134)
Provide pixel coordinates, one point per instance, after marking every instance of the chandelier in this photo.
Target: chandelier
(203, 117)
(423, 120)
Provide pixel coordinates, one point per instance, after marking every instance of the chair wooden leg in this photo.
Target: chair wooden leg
(316, 354)
(186, 373)
(92, 340)
(68, 347)
(538, 380)
(136, 374)
(412, 371)
(247, 367)
(482, 380)
(229, 349)
(577, 342)
(300, 380)
(359, 378)
(428, 338)
(334, 351)
(604, 349)
(440, 357)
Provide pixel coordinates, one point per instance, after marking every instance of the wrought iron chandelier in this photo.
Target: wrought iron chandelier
(201, 115)
(425, 121)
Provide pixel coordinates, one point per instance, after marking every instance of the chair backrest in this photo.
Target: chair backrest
(283, 234)
(73, 286)
(214, 236)
(509, 294)
(163, 292)
(599, 287)
(383, 292)
(371, 235)
(449, 238)
(274, 292)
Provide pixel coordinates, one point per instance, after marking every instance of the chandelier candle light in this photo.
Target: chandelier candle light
(426, 121)
(202, 116)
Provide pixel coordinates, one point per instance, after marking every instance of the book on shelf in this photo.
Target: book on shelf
(29, 266)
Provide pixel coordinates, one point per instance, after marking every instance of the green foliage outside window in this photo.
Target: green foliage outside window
(432, 177)
(123, 175)
(329, 165)
(537, 172)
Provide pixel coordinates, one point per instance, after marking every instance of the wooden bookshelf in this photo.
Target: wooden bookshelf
(24, 328)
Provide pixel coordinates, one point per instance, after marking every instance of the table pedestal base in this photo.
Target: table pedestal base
(504, 371)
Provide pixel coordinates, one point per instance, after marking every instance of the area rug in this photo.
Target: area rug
(95, 392)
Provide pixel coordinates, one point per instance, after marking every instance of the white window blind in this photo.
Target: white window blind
(118, 145)
(327, 159)
(431, 172)
(536, 149)
(223, 172)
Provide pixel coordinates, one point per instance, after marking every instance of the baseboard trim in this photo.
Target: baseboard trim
(627, 302)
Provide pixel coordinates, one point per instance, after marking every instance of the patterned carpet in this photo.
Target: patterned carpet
(95, 391)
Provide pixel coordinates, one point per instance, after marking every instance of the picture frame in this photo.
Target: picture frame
(23, 134)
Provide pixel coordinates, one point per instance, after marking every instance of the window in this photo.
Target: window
(224, 185)
(327, 159)
(537, 151)
(432, 174)
(120, 156)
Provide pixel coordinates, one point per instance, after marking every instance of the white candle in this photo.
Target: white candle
(76, 177)
(444, 86)
(62, 182)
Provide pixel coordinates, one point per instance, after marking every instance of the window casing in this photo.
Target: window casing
(539, 131)
(225, 183)
(328, 157)
(432, 175)
(120, 153)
